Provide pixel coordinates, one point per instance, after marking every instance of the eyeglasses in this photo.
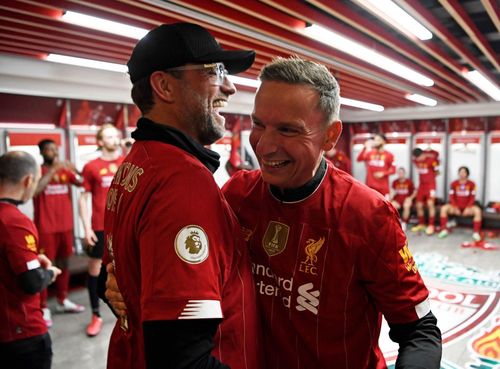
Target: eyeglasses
(217, 73)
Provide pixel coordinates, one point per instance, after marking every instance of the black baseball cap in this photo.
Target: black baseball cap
(177, 44)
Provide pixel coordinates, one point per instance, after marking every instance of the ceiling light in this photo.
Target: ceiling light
(244, 81)
(396, 17)
(421, 99)
(361, 104)
(104, 25)
(483, 83)
(63, 59)
(359, 51)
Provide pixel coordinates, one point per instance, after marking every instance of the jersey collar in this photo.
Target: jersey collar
(301, 193)
(11, 201)
(147, 130)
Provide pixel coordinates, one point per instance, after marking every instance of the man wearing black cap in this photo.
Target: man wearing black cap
(170, 235)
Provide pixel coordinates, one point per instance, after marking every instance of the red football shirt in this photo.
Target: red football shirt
(178, 254)
(97, 176)
(53, 211)
(20, 313)
(341, 161)
(462, 194)
(325, 267)
(402, 189)
(427, 169)
(378, 161)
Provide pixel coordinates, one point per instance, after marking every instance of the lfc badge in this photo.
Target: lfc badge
(312, 248)
(275, 238)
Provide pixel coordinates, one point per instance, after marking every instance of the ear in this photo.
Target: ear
(27, 180)
(332, 135)
(163, 85)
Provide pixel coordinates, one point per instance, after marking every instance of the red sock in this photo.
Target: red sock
(421, 220)
(61, 284)
(43, 298)
(477, 226)
(432, 221)
(444, 222)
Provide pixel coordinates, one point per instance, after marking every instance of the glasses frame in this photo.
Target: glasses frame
(220, 70)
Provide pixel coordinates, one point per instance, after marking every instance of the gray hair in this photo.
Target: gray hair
(294, 70)
(15, 165)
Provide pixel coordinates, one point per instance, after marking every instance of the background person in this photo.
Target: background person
(97, 176)
(402, 195)
(339, 159)
(426, 164)
(24, 339)
(54, 221)
(379, 164)
(461, 203)
(174, 242)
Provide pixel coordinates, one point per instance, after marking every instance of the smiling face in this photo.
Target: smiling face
(289, 133)
(201, 99)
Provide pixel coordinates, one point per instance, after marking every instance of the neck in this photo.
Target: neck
(11, 192)
(109, 155)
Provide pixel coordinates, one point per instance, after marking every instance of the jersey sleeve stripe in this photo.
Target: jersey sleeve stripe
(423, 308)
(33, 264)
(202, 309)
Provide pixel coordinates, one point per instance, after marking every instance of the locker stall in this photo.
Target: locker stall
(466, 147)
(26, 139)
(492, 178)
(399, 144)
(357, 143)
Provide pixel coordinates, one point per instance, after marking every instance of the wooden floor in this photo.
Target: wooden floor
(444, 264)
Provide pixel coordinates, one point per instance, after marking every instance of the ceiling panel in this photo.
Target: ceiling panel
(466, 36)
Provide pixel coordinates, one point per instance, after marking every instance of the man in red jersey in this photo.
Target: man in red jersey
(174, 242)
(426, 163)
(339, 159)
(54, 221)
(403, 193)
(24, 340)
(379, 164)
(329, 256)
(97, 176)
(461, 203)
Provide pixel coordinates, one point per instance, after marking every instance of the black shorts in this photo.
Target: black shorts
(97, 250)
(30, 353)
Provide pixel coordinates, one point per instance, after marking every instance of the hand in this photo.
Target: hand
(70, 166)
(113, 294)
(378, 175)
(90, 238)
(47, 264)
(368, 144)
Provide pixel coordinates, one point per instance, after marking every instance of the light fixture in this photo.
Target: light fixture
(244, 81)
(104, 25)
(359, 51)
(424, 100)
(483, 83)
(361, 104)
(396, 17)
(89, 63)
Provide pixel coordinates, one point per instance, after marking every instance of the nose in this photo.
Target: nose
(228, 87)
(264, 143)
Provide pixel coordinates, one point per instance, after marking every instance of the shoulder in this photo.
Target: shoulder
(241, 185)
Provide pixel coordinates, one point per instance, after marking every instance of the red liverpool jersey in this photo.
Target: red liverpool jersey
(462, 194)
(325, 267)
(178, 254)
(53, 211)
(341, 161)
(427, 169)
(97, 176)
(402, 189)
(20, 313)
(378, 161)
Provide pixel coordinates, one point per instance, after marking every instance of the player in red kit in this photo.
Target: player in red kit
(339, 159)
(427, 167)
(54, 221)
(403, 193)
(97, 176)
(24, 340)
(379, 164)
(173, 240)
(461, 203)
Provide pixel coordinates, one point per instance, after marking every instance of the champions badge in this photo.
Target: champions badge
(191, 244)
(275, 238)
